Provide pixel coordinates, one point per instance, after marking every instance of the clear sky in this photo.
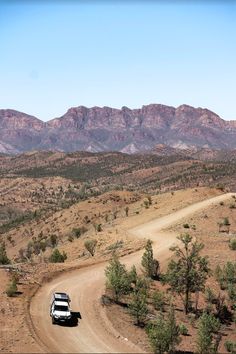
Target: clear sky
(60, 54)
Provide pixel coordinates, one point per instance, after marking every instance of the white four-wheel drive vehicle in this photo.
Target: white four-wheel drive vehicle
(60, 308)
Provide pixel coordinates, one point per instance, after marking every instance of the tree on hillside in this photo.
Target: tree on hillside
(207, 340)
(117, 278)
(150, 265)
(3, 255)
(187, 273)
(138, 305)
(163, 334)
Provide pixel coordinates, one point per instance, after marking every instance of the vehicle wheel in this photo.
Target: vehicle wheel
(53, 321)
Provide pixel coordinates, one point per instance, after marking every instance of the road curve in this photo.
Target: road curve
(94, 333)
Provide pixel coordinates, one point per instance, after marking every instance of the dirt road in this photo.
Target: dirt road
(94, 333)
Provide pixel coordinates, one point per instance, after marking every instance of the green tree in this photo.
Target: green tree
(133, 275)
(150, 265)
(206, 341)
(90, 246)
(138, 305)
(172, 329)
(117, 278)
(3, 255)
(188, 272)
(158, 300)
(163, 334)
(57, 256)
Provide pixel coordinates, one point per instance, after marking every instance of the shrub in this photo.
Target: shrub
(76, 232)
(210, 295)
(186, 226)
(230, 346)
(3, 255)
(226, 221)
(99, 227)
(183, 330)
(114, 246)
(53, 240)
(70, 238)
(90, 246)
(11, 289)
(57, 256)
(232, 244)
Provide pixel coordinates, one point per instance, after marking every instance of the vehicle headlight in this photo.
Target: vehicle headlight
(56, 316)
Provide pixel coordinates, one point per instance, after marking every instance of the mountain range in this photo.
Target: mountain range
(108, 129)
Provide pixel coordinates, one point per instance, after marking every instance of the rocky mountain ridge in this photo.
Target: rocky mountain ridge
(109, 129)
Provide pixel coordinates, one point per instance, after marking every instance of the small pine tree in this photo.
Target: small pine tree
(208, 325)
(158, 300)
(133, 275)
(138, 306)
(164, 334)
(150, 265)
(90, 246)
(117, 278)
(172, 329)
(187, 273)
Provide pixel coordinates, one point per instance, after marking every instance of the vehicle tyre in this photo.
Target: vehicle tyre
(53, 321)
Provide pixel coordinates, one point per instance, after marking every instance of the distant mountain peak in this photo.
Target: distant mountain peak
(110, 129)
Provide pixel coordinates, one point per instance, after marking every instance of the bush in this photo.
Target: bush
(230, 346)
(70, 238)
(57, 256)
(90, 246)
(183, 330)
(11, 289)
(210, 295)
(232, 244)
(53, 240)
(186, 226)
(76, 232)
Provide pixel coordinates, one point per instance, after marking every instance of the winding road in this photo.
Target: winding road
(95, 333)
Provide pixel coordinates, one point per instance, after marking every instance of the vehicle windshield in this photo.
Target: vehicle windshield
(61, 308)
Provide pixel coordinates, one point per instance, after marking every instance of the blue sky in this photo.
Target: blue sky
(59, 54)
